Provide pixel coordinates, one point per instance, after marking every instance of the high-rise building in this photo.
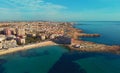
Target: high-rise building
(7, 31)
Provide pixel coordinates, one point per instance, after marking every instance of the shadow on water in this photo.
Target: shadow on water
(33, 53)
(2, 69)
(66, 63)
(26, 72)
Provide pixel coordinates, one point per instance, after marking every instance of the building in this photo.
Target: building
(2, 37)
(7, 31)
(10, 37)
(20, 32)
(33, 35)
(52, 36)
(21, 41)
(9, 44)
(72, 41)
(0, 44)
(42, 37)
(13, 31)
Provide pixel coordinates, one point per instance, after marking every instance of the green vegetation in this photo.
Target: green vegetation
(19, 43)
(32, 40)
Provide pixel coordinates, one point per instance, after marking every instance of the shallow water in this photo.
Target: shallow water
(57, 59)
(38, 60)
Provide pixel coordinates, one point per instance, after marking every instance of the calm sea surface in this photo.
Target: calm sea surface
(58, 59)
(109, 31)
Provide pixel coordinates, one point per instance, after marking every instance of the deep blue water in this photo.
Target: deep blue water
(109, 31)
(58, 59)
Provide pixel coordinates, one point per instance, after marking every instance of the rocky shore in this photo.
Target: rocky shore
(81, 45)
(93, 47)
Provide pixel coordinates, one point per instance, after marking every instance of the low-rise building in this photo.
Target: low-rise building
(9, 43)
(13, 31)
(2, 37)
(52, 36)
(20, 32)
(10, 37)
(0, 45)
(42, 37)
(21, 41)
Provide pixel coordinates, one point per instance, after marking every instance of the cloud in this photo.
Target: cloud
(30, 10)
(34, 4)
(34, 10)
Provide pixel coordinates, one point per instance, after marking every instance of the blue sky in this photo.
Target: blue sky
(60, 10)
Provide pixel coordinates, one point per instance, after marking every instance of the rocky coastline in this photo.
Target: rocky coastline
(81, 45)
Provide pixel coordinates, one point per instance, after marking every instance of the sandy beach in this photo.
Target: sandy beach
(26, 47)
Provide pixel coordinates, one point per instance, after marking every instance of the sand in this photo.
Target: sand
(26, 47)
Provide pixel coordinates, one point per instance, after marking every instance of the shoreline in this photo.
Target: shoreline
(75, 43)
(81, 45)
(26, 47)
(93, 47)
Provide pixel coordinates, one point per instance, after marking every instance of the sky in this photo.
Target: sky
(60, 10)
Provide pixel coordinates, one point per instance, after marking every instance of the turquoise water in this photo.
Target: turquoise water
(39, 60)
(109, 31)
(58, 59)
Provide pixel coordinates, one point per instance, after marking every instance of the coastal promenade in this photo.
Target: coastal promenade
(26, 47)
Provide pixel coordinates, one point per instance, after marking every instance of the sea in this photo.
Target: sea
(59, 59)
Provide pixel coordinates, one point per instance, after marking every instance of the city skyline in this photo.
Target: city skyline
(59, 10)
